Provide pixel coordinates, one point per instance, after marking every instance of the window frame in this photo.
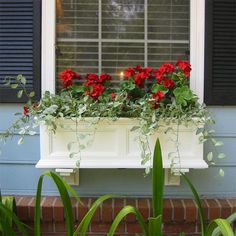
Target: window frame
(197, 41)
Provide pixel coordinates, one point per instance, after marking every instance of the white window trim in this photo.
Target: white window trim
(197, 34)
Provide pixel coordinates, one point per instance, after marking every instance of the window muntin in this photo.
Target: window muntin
(110, 35)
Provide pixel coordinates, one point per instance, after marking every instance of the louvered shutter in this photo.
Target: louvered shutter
(220, 52)
(20, 45)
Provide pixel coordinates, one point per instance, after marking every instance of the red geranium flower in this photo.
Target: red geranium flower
(169, 83)
(91, 79)
(67, 76)
(163, 70)
(158, 96)
(26, 110)
(113, 95)
(185, 66)
(104, 77)
(129, 72)
(139, 79)
(97, 90)
(138, 68)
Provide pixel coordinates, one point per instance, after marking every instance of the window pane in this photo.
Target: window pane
(118, 56)
(123, 19)
(166, 52)
(168, 19)
(77, 19)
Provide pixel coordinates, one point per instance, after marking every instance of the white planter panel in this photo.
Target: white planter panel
(115, 146)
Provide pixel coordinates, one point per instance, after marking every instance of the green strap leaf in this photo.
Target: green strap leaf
(223, 226)
(82, 228)
(120, 216)
(198, 202)
(6, 227)
(157, 181)
(155, 226)
(63, 189)
(230, 219)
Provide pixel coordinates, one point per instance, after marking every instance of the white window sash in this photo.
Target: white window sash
(197, 34)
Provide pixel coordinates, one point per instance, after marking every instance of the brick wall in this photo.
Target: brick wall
(180, 215)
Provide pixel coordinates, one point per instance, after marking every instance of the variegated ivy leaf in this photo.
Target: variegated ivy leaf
(134, 128)
(19, 93)
(14, 86)
(20, 141)
(221, 155)
(210, 156)
(219, 143)
(221, 172)
(72, 155)
(32, 94)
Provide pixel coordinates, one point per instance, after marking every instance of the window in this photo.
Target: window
(111, 35)
(96, 35)
(20, 50)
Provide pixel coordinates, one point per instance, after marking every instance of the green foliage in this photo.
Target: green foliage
(216, 227)
(8, 218)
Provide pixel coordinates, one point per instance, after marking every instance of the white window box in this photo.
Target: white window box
(116, 146)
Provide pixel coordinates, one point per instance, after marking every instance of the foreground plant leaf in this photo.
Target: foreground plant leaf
(63, 189)
(199, 205)
(223, 226)
(6, 227)
(83, 226)
(121, 215)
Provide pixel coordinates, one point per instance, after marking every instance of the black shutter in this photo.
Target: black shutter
(20, 40)
(220, 52)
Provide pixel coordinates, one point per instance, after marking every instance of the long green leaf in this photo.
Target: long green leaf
(155, 226)
(120, 216)
(223, 225)
(199, 205)
(15, 219)
(10, 203)
(82, 228)
(157, 181)
(63, 190)
(230, 219)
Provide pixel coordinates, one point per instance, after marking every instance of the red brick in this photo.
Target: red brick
(23, 208)
(205, 206)
(178, 210)
(83, 208)
(144, 207)
(225, 208)
(134, 228)
(60, 227)
(97, 214)
(31, 209)
(104, 228)
(118, 205)
(214, 209)
(167, 210)
(47, 227)
(58, 210)
(131, 217)
(179, 227)
(232, 203)
(107, 211)
(75, 205)
(47, 209)
(190, 210)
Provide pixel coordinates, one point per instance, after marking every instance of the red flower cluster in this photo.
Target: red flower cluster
(185, 67)
(26, 110)
(139, 74)
(95, 84)
(163, 72)
(67, 76)
(158, 96)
